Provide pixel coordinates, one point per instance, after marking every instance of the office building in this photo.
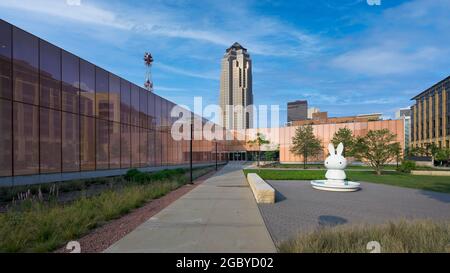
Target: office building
(62, 118)
(297, 110)
(311, 111)
(236, 93)
(430, 118)
(405, 115)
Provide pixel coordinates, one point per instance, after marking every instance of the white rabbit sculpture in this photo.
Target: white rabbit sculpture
(335, 164)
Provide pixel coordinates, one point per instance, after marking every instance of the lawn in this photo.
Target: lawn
(320, 166)
(400, 237)
(42, 226)
(430, 183)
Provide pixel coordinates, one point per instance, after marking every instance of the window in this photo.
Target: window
(87, 88)
(25, 67)
(135, 153)
(5, 137)
(70, 82)
(143, 147)
(50, 140)
(50, 75)
(125, 102)
(114, 98)
(70, 142)
(151, 111)
(151, 148)
(143, 108)
(101, 93)
(87, 143)
(5, 60)
(114, 145)
(26, 139)
(125, 146)
(134, 105)
(102, 144)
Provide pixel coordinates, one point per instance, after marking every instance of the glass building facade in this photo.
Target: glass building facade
(60, 114)
(430, 119)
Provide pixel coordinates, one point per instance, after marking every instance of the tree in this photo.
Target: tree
(377, 148)
(258, 141)
(344, 136)
(431, 149)
(272, 155)
(443, 155)
(305, 143)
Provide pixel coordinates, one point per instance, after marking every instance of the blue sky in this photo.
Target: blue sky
(344, 56)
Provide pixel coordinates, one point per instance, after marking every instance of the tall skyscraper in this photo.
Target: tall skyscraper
(236, 92)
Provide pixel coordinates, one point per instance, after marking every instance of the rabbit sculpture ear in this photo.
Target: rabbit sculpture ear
(340, 148)
(331, 149)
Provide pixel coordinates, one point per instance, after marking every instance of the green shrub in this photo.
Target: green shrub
(407, 166)
(131, 173)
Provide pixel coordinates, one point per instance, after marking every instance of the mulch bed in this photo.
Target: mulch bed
(102, 237)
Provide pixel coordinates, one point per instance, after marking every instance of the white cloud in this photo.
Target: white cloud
(189, 73)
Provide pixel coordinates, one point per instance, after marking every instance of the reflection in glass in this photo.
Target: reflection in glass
(87, 88)
(50, 75)
(102, 144)
(87, 143)
(5, 60)
(70, 142)
(26, 139)
(5, 137)
(101, 93)
(25, 67)
(70, 82)
(50, 140)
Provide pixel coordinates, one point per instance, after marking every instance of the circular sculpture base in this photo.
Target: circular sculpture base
(329, 185)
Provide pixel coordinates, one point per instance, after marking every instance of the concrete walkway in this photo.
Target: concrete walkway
(220, 215)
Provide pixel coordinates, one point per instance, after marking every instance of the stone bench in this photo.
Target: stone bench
(263, 192)
(431, 173)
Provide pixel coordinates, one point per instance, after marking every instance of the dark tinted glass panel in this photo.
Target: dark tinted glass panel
(87, 143)
(135, 156)
(114, 98)
(5, 137)
(164, 114)
(143, 100)
(102, 144)
(26, 139)
(114, 145)
(5, 60)
(158, 112)
(87, 88)
(102, 93)
(50, 140)
(134, 105)
(164, 149)
(151, 110)
(125, 146)
(125, 102)
(70, 82)
(143, 147)
(151, 148)
(25, 67)
(70, 142)
(158, 149)
(50, 75)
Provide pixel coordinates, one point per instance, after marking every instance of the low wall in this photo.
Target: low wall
(431, 173)
(61, 177)
(263, 192)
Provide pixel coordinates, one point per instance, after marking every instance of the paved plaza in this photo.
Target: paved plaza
(220, 215)
(301, 208)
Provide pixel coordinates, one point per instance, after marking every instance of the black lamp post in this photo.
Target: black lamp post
(190, 151)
